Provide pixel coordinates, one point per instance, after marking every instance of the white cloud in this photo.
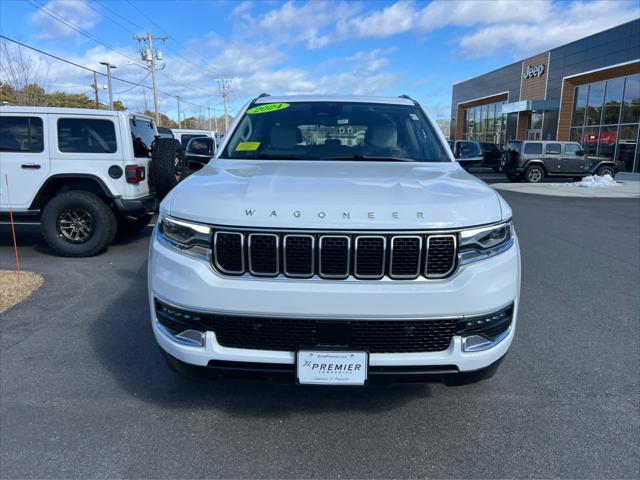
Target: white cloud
(74, 12)
(307, 23)
(536, 33)
(394, 19)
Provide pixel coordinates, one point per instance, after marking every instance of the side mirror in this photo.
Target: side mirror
(580, 153)
(201, 147)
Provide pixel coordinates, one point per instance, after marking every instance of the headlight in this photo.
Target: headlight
(479, 243)
(187, 237)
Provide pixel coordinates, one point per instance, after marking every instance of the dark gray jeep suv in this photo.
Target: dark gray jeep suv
(534, 160)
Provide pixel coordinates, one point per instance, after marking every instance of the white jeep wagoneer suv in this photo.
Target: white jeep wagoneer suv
(335, 241)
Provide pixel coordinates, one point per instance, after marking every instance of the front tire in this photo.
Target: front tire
(78, 224)
(534, 174)
(606, 170)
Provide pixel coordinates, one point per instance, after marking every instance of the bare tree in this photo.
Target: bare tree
(23, 75)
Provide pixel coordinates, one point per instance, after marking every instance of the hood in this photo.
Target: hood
(334, 194)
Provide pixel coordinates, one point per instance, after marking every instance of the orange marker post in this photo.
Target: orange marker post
(13, 227)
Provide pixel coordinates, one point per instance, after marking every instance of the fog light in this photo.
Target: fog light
(191, 337)
(475, 343)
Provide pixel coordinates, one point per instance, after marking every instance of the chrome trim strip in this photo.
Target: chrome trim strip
(313, 257)
(403, 276)
(362, 231)
(264, 274)
(215, 253)
(355, 257)
(241, 313)
(334, 276)
(453, 258)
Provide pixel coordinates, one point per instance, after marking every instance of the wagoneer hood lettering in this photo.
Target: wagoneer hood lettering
(297, 194)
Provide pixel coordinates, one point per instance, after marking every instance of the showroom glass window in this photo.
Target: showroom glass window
(485, 123)
(21, 134)
(86, 135)
(606, 119)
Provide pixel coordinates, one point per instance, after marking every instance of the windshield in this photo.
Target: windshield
(469, 149)
(335, 131)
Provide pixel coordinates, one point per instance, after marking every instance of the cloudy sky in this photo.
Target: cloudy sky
(345, 47)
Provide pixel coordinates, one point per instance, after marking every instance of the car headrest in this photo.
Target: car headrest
(382, 136)
(332, 142)
(284, 137)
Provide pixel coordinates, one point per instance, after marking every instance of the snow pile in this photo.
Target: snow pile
(596, 181)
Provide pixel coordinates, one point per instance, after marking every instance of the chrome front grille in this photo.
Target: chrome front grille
(335, 256)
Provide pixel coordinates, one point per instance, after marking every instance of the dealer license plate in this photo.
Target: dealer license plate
(319, 367)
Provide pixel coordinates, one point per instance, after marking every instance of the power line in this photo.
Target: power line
(149, 18)
(135, 86)
(82, 32)
(56, 57)
(101, 42)
(103, 5)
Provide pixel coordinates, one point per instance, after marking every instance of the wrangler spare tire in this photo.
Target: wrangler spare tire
(168, 165)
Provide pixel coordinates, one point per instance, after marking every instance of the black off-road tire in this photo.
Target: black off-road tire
(606, 169)
(100, 223)
(130, 226)
(168, 165)
(534, 174)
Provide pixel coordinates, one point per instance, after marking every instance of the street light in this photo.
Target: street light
(109, 67)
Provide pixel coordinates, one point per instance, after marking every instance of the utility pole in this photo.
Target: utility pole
(179, 120)
(95, 89)
(109, 67)
(151, 56)
(209, 112)
(215, 119)
(224, 86)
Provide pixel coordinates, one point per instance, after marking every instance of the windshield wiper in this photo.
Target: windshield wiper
(369, 158)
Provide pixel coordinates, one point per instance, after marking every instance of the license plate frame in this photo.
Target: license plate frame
(343, 376)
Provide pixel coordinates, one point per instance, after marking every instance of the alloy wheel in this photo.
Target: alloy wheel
(535, 175)
(75, 225)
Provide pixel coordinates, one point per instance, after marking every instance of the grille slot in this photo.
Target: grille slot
(291, 334)
(405, 257)
(299, 255)
(334, 256)
(369, 257)
(264, 256)
(441, 255)
(228, 252)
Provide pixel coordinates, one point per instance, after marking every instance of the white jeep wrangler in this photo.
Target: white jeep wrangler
(335, 241)
(82, 174)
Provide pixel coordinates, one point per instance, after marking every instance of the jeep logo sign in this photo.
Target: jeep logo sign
(533, 71)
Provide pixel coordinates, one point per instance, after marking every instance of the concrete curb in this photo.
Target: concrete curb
(623, 190)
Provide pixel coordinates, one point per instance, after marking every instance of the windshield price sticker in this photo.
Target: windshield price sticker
(269, 107)
(247, 146)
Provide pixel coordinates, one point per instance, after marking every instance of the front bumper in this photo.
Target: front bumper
(479, 288)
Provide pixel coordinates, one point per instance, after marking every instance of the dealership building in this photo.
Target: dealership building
(586, 91)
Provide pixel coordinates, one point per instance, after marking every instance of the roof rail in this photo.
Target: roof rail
(253, 102)
(404, 95)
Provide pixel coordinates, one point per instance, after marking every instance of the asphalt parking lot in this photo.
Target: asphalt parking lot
(84, 392)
